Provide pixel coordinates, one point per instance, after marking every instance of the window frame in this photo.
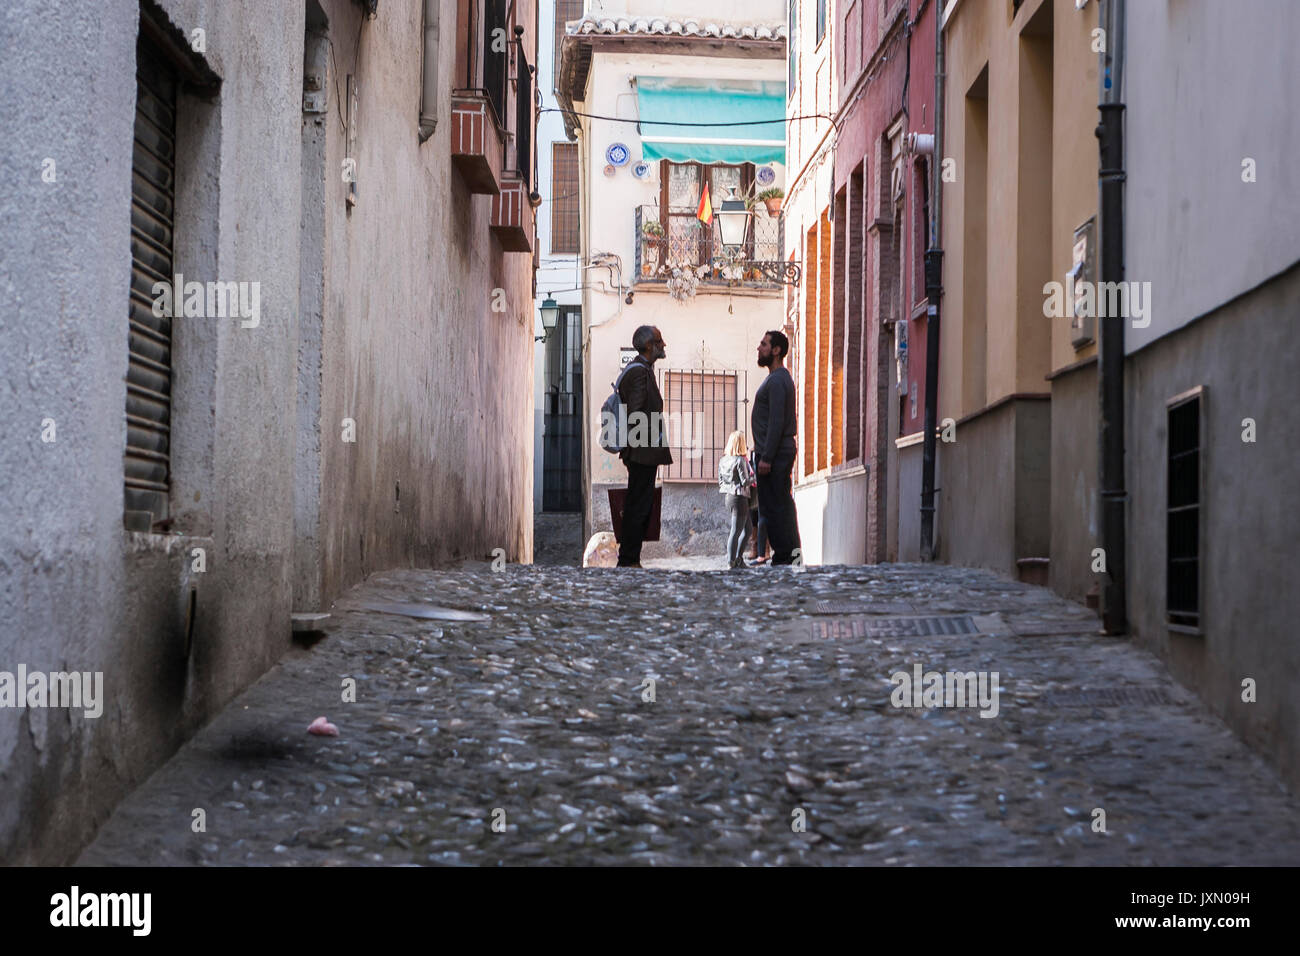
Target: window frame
(1176, 620)
(575, 197)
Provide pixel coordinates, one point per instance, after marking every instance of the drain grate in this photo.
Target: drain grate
(852, 607)
(1109, 697)
(892, 627)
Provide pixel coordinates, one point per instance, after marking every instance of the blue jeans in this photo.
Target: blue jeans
(738, 505)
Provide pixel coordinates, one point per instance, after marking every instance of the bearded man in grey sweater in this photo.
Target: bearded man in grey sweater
(773, 424)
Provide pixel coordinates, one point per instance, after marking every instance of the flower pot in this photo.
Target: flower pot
(773, 206)
(650, 256)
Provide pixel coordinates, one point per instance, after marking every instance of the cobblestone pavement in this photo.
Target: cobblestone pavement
(767, 702)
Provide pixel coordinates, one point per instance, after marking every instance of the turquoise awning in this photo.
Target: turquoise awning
(668, 106)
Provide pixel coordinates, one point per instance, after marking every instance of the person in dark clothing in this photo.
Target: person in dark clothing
(647, 440)
(773, 425)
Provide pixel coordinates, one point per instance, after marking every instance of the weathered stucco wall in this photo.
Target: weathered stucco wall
(437, 382)
(1074, 515)
(79, 592)
(1249, 525)
(1193, 226)
(997, 470)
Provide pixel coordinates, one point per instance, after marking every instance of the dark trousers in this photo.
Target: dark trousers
(636, 511)
(776, 506)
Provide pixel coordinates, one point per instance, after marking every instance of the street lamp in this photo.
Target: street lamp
(733, 221)
(550, 318)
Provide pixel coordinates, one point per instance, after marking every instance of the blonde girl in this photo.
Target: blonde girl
(735, 479)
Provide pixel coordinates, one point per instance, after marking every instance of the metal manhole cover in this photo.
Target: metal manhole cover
(853, 607)
(893, 627)
(1109, 697)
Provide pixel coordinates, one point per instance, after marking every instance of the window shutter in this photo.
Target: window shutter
(149, 373)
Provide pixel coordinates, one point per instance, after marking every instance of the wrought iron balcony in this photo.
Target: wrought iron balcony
(681, 241)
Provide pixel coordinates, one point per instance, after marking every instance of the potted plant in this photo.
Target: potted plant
(652, 234)
(772, 198)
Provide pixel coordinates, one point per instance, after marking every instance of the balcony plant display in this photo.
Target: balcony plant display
(683, 277)
(772, 198)
(652, 235)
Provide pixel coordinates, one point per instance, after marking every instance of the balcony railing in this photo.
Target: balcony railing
(680, 239)
(486, 56)
(524, 118)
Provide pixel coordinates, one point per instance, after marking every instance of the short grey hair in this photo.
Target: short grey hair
(642, 337)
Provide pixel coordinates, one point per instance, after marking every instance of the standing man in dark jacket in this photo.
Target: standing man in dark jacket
(647, 440)
(774, 428)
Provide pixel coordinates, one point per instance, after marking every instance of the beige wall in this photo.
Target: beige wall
(1038, 185)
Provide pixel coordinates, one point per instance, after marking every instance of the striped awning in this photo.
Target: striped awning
(711, 122)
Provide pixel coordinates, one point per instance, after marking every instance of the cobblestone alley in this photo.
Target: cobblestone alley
(526, 737)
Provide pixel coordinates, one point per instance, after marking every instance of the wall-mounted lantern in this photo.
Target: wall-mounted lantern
(550, 310)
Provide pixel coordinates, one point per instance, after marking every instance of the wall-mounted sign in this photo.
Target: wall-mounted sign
(625, 356)
(617, 154)
(1083, 328)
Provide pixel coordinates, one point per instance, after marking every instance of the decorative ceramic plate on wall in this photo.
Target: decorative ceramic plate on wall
(617, 154)
(641, 170)
(766, 175)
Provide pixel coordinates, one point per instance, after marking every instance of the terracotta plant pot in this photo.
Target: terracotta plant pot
(773, 206)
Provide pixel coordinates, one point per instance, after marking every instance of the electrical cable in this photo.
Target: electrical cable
(641, 122)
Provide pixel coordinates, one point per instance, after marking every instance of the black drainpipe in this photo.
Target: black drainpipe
(1110, 358)
(933, 290)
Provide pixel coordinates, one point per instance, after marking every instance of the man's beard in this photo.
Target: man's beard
(764, 361)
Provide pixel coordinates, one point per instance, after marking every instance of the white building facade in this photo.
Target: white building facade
(663, 105)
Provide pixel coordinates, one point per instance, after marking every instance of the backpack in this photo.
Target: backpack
(609, 412)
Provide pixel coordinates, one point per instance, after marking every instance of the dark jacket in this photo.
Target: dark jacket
(639, 392)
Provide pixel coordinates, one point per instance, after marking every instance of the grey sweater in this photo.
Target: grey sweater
(774, 417)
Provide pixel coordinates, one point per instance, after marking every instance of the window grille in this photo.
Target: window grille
(1183, 519)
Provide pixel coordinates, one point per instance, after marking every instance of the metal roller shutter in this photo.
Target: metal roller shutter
(149, 374)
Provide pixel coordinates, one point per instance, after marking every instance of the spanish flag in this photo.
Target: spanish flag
(705, 212)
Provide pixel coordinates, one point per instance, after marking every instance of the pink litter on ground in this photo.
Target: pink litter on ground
(322, 728)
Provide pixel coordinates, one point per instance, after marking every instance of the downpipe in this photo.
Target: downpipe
(933, 293)
(1113, 497)
(429, 71)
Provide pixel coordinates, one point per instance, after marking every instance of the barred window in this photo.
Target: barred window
(565, 220)
(1183, 517)
(700, 410)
